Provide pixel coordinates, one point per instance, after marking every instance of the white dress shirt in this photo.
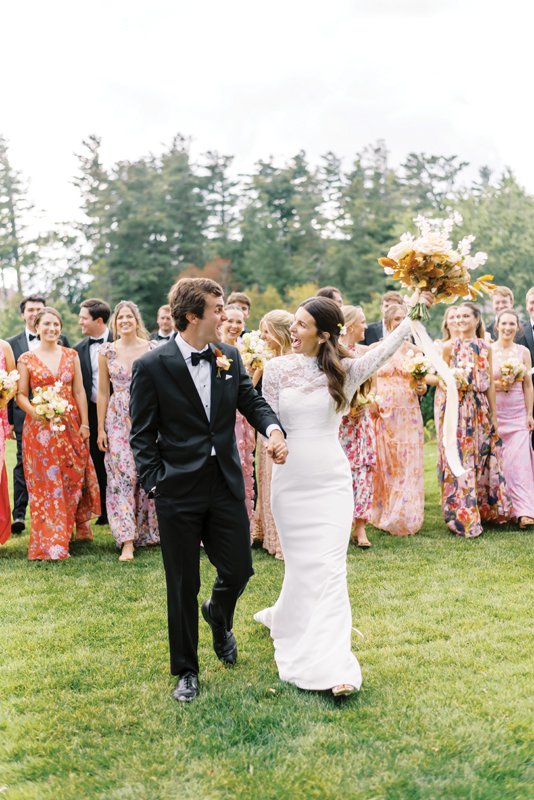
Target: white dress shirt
(201, 375)
(32, 343)
(93, 355)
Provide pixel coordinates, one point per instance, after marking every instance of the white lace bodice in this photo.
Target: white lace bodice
(292, 385)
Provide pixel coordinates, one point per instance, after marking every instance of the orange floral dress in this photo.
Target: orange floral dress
(60, 476)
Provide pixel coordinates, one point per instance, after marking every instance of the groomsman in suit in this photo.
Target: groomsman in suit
(332, 293)
(502, 298)
(183, 400)
(527, 337)
(165, 324)
(376, 331)
(21, 343)
(93, 319)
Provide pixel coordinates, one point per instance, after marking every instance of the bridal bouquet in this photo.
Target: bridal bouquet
(418, 365)
(50, 406)
(511, 370)
(430, 262)
(8, 385)
(254, 351)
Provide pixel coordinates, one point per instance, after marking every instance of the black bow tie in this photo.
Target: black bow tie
(163, 338)
(196, 358)
(96, 341)
(32, 336)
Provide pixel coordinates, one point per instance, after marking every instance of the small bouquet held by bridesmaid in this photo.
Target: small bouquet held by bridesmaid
(8, 386)
(511, 370)
(461, 377)
(430, 262)
(254, 351)
(50, 406)
(418, 365)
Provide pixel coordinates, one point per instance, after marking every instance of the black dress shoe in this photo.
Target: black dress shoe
(186, 688)
(17, 526)
(224, 642)
(102, 521)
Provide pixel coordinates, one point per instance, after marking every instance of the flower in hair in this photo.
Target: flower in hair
(342, 329)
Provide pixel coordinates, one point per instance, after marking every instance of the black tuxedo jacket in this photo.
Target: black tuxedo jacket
(171, 436)
(19, 345)
(154, 337)
(373, 333)
(85, 362)
(527, 338)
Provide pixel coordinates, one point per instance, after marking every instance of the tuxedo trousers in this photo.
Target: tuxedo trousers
(20, 490)
(208, 513)
(97, 457)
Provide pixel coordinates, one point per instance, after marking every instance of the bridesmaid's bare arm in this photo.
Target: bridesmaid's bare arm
(528, 389)
(80, 399)
(23, 391)
(102, 401)
(490, 393)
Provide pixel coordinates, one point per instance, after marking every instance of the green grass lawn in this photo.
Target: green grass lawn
(445, 710)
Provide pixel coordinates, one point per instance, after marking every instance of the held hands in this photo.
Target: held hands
(276, 447)
(102, 441)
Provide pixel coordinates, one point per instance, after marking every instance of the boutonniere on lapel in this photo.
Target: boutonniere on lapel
(222, 362)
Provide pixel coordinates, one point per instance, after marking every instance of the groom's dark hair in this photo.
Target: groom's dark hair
(188, 296)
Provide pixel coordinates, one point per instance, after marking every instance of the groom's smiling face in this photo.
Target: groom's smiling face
(208, 327)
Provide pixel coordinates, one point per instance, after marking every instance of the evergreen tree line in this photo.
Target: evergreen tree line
(279, 232)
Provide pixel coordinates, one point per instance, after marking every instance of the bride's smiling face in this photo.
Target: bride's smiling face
(304, 337)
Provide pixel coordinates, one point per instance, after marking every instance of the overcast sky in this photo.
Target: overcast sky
(256, 79)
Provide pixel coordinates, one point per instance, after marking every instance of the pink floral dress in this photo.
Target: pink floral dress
(132, 516)
(481, 493)
(399, 490)
(357, 437)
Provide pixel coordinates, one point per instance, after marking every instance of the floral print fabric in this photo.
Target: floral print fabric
(60, 476)
(398, 490)
(481, 493)
(131, 515)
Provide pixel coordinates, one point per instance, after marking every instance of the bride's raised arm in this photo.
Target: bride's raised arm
(362, 368)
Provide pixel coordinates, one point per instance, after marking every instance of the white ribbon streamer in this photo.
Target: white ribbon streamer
(450, 419)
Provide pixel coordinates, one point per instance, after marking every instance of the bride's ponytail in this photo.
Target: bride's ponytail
(329, 322)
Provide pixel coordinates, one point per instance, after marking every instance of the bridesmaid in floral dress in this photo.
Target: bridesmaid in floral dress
(274, 328)
(245, 435)
(131, 514)
(7, 362)
(514, 401)
(357, 431)
(398, 490)
(61, 479)
(481, 494)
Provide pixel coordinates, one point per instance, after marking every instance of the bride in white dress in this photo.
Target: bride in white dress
(312, 498)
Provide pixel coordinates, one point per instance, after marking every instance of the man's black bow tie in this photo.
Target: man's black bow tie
(96, 341)
(32, 336)
(163, 338)
(205, 355)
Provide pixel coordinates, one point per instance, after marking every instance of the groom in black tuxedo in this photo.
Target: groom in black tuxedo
(183, 402)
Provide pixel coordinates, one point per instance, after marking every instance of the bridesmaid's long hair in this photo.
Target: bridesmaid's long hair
(140, 329)
(278, 323)
(329, 320)
(481, 328)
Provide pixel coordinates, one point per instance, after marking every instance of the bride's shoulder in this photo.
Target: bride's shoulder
(281, 363)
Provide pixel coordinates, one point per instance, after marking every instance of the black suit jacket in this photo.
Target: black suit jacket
(527, 338)
(82, 349)
(19, 345)
(171, 436)
(154, 337)
(373, 333)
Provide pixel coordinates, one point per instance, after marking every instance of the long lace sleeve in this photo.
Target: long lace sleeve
(362, 368)
(271, 385)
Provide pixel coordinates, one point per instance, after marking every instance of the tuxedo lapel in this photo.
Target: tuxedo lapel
(174, 362)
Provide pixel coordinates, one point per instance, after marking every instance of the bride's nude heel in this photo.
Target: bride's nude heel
(343, 690)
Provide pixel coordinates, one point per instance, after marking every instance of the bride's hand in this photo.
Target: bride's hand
(427, 298)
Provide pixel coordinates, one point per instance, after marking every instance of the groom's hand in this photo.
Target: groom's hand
(276, 447)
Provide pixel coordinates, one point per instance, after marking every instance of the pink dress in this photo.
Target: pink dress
(264, 526)
(518, 456)
(357, 437)
(245, 436)
(481, 493)
(398, 491)
(132, 516)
